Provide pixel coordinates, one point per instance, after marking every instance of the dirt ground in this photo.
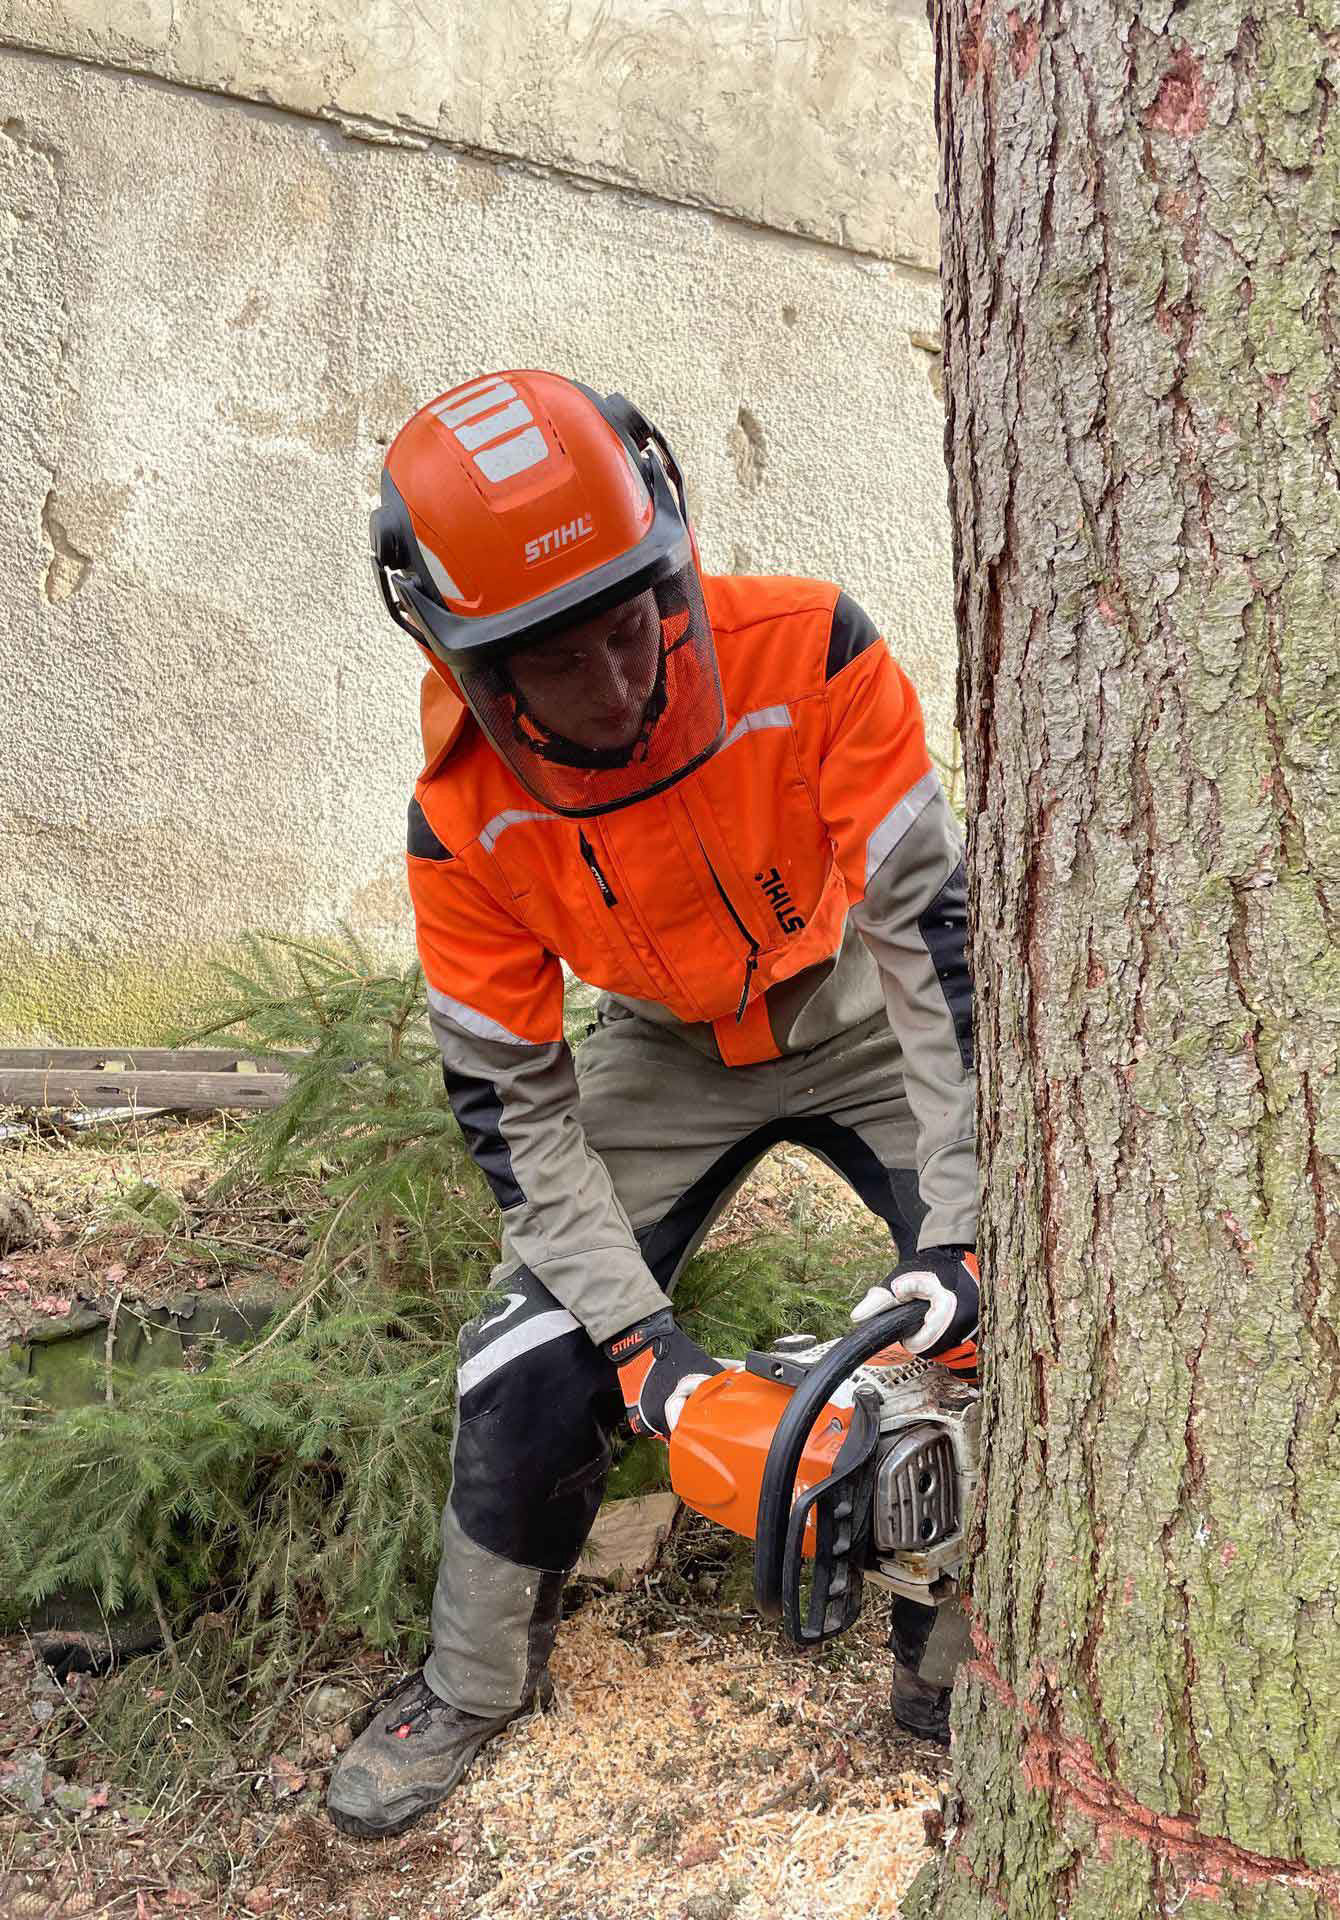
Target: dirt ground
(690, 1771)
(70, 1236)
(692, 1767)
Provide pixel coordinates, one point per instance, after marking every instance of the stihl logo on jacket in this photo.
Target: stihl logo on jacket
(783, 905)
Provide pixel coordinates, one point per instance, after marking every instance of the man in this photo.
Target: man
(712, 797)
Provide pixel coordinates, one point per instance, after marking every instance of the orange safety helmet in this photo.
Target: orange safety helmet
(534, 540)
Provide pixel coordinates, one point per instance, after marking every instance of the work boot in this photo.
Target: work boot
(928, 1644)
(920, 1708)
(410, 1755)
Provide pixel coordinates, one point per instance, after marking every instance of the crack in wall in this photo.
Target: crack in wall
(932, 345)
(371, 131)
(749, 447)
(68, 566)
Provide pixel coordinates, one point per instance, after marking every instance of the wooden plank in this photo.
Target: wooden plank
(143, 1059)
(182, 1092)
(628, 1535)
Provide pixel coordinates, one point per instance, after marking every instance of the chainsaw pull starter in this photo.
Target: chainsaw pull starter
(841, 1508)
(840, 1504)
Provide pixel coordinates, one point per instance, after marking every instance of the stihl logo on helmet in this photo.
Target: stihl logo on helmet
(470, 413)
(558, 537)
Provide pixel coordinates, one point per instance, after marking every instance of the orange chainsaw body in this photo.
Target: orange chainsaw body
(720, 1445)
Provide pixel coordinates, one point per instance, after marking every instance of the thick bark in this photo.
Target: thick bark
(1141, 317)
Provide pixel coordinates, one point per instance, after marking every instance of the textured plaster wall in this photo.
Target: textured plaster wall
(808, 115)
(215, 315)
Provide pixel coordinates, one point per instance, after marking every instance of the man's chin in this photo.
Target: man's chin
(616, 738)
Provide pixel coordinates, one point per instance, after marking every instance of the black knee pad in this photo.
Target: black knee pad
(538, 1404)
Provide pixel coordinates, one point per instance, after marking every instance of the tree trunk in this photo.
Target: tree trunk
(1141, 315)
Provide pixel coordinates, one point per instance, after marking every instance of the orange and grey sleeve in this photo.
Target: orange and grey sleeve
(495, 1002)
(901, 855)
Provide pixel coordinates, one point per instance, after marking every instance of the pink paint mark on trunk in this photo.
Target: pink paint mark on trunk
(1180, 106)
(975, 54)
(1066, 1771)
(1025, 37)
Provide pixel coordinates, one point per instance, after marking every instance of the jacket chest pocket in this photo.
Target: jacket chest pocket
(564, 896)
(523, 846)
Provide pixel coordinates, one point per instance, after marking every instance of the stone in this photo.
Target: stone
(154, 1203)
(331, 1703)
(18, 1223)
(21, 1779)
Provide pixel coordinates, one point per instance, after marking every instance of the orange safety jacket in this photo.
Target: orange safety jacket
(721, 902)
(700, 898)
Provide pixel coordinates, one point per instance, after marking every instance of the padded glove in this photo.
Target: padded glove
(946, 1279)
(659, 1366)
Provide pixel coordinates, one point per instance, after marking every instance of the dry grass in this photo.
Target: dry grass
(90, 1250)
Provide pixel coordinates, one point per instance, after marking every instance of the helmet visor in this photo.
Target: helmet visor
(611, 708)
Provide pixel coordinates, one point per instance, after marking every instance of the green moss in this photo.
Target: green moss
(85, 998)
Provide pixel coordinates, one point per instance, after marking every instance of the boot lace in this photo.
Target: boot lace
(414, 1703)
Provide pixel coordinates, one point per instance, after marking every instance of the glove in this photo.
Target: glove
(659, 1366)
(946, 1278)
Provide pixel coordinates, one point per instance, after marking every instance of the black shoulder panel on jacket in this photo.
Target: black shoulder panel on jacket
(853, 631)
(423, 842)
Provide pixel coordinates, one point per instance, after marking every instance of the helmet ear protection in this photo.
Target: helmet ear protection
(632, 424)
(393, 560)
(388, 549)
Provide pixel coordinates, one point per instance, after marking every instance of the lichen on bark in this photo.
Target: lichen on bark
(1142, 308)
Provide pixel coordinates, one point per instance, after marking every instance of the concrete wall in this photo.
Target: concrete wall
(236, 259)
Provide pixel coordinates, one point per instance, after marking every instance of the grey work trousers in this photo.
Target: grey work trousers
(679, 1132)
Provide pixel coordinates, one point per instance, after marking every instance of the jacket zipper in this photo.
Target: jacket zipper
(589, 855)
(751, 963)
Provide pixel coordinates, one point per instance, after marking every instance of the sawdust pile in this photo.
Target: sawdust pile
(687, 1773)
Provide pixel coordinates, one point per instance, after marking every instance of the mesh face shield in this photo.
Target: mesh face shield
(611, 708)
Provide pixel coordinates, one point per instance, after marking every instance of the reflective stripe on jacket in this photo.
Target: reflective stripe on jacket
(720, 903)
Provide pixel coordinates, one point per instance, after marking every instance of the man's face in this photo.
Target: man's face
(591, 683)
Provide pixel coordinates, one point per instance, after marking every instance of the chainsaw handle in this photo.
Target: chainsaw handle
(777, 1491)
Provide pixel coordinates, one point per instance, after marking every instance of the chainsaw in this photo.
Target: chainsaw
(844, 1461)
